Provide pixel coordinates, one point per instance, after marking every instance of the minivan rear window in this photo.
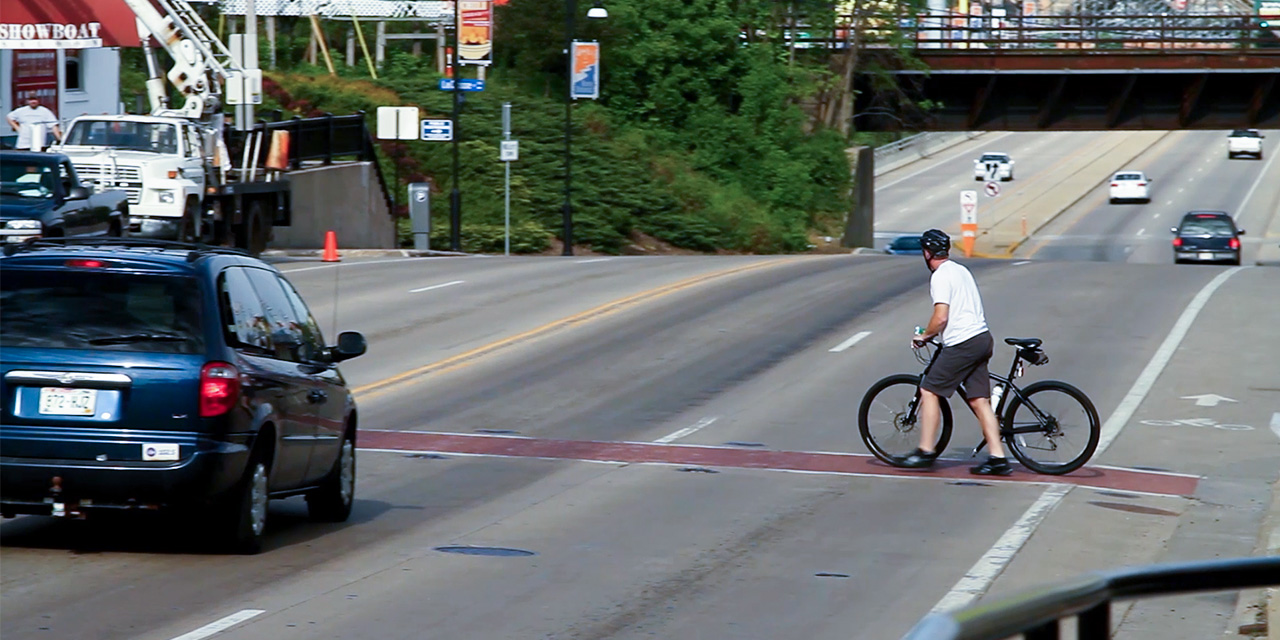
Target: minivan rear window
(112, 311)
(1216, 227)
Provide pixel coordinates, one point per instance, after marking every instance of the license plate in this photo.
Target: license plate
(1204, 255)
(56, 401)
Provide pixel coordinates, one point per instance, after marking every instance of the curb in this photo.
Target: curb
(358, 253)
(1257, 613)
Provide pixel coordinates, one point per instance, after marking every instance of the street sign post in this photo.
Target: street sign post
(437, 130)
(968, 220)
(992, 189)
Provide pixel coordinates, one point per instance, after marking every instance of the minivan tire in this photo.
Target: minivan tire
(333, 499)
(244, 516)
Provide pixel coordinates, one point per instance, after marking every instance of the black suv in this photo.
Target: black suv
(1207, 236)
(144, 374)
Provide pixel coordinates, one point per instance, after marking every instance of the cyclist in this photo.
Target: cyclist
(966, 348)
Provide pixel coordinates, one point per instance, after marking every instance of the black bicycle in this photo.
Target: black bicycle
(1050, 426)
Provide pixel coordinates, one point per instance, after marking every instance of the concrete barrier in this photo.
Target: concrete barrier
(344, 198)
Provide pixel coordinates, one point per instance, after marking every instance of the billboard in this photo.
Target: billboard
(585, 58)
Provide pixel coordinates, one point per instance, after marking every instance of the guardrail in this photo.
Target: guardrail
(920, 145)
(1048, 34)
(1037, 614)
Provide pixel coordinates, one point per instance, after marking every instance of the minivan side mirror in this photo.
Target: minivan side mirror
(1240, 231)
(350, 344)
(1174, 230)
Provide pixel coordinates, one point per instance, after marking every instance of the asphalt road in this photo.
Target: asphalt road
(557, 361)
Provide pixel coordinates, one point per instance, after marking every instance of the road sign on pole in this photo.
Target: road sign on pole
(398, 123)
(992, 189)
(438, 130)
(968, 220)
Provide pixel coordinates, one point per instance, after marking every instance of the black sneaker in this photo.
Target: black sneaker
(918, 459)
(992, 467)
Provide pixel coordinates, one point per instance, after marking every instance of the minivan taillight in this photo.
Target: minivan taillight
(1235, 243)
(1177, 242)
(219, 389)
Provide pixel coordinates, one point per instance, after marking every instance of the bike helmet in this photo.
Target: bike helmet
(936, 241)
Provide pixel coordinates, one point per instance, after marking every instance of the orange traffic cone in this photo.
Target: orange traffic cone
(330, 247)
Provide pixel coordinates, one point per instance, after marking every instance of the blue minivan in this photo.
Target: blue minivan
(144, 374)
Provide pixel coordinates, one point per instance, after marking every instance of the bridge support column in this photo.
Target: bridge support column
(859, 229)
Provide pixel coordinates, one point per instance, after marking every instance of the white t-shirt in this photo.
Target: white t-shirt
(953, 285)
(26, 117)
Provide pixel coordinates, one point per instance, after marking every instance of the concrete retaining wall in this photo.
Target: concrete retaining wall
(346, 199)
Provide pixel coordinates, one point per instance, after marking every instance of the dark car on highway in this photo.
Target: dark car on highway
(904, 246)
(1207, 236)
(145, 374)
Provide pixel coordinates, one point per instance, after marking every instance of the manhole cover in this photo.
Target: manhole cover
(484, 551)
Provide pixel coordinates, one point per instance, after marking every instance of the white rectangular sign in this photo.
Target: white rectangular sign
(398, 123)
(510, 151)
(968, 207)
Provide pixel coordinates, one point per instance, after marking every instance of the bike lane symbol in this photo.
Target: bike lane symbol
(1204, 423)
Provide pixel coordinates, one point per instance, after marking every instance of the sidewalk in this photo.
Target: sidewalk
(1257, 614)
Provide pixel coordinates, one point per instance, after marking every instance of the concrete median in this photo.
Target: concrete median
(1029, 205)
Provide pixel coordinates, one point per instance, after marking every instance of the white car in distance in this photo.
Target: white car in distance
(993, 166)
(1129, 186)
(1245, 142)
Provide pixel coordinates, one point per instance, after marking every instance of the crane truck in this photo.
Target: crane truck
(189, 177)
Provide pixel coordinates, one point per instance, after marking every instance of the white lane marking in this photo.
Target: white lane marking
(1157, 216)
(334, 265)
(592, 260)
(850, 342)
(939, 163)
(1021, 262)
(1111, 428)
(700, 425)
(218, 626)
(1275, 428)
(1142, 231)
(437, 286)
(1263, 174)
(1181, 189)
(992, 563)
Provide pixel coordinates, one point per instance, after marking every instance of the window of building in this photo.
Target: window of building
(73, 70)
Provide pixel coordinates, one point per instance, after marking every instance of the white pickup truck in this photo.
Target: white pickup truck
(993, 166)
(1244, 142)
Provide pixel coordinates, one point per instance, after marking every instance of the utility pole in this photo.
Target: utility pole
(571, 7)
(455, 197)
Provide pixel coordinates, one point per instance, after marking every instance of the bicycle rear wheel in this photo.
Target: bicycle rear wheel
(889, 418)
(1052, 427)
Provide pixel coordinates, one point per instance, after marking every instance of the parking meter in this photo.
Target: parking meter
(420, 214)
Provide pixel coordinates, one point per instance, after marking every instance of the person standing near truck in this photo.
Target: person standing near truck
(31, 122)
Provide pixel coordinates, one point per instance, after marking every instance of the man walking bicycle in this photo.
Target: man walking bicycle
(966, 349)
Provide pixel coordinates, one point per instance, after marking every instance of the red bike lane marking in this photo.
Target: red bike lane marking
(1137, 480)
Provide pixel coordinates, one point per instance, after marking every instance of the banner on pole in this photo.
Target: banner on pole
(475, 34)
(585, 57)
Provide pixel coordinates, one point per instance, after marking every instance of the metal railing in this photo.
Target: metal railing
(1037, 614)
(942, 32)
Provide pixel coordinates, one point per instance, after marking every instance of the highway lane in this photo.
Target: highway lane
(632, 550)
(1191, 171)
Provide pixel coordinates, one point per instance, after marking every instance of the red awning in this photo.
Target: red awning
(67, 24)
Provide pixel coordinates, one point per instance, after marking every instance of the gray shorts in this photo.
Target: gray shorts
(964, 363)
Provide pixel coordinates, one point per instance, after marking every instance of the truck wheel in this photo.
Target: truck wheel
(189, 226)
(256, 231)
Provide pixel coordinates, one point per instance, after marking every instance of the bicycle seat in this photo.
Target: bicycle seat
(1025, 343)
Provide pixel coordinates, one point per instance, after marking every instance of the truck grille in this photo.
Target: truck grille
(127, 178)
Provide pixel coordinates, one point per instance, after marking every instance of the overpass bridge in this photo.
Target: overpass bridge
(1067, 72)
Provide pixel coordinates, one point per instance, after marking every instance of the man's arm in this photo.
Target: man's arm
(13, 123)
(937, 322)
(57, 131)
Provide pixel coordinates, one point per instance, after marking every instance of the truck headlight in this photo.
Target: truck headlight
(23, 224)
(166, 197)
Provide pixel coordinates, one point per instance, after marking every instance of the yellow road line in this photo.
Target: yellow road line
(375, 389)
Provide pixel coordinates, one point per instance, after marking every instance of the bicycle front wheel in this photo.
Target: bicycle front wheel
(889, 418)
(1052, 427)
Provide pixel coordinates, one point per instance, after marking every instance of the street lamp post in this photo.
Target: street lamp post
(571, 10)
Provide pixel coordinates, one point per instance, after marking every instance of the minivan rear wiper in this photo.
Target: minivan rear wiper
(126, 338)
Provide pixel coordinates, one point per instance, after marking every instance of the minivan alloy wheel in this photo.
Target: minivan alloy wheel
(258, 499)
(347, 468)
